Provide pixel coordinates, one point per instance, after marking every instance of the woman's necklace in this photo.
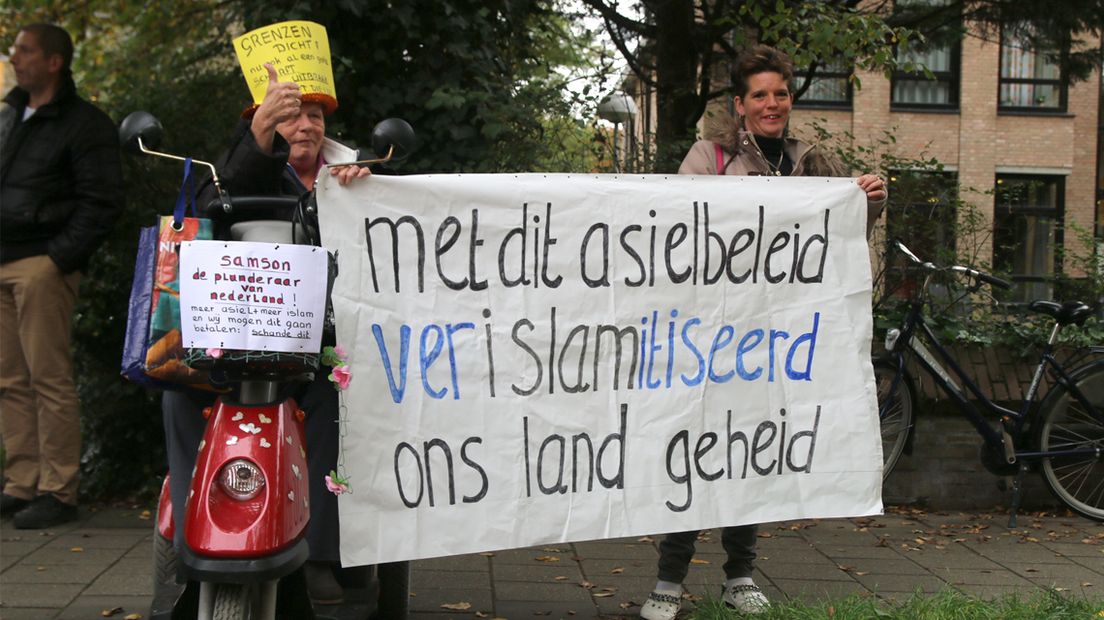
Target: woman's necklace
(776, 168)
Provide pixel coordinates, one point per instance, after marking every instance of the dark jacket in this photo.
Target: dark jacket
(246, 170)
(61, 182)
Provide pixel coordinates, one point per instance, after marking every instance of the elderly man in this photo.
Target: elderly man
(279, 151)
(60, 194)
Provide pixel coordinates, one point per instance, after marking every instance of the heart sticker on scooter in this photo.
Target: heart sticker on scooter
(202, 442)
(295, 470)
(291, 495)
(237, 416)
(250, 428)
(302, 452)
(288, 438)
(233, 440)
(264, 443)
(264, 419)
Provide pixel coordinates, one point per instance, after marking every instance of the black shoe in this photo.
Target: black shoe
(9, 504)
(45, 511)
(322, 586)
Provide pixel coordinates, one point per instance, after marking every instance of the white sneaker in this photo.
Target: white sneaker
(661, 607)
(746, 599)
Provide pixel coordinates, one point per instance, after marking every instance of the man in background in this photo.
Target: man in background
(60, 194)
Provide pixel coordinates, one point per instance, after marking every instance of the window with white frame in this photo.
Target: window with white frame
(1031, 79)
(829, 86)
(940, 53)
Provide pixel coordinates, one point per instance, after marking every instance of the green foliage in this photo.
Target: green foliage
(945, 605)
(477, 80)
(483, 84)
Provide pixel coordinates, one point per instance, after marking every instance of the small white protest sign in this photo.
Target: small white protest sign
(252, 296)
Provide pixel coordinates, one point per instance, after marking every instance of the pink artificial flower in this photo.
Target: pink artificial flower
(335, 485)
(214, 352)
(341, 376)
(339, 352)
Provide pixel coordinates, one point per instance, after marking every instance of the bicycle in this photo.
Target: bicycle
(1063, 435)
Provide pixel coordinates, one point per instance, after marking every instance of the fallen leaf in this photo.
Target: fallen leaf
(601, 594)
(765, 535)
(77, 549)
(560, 577)
(132, 617)
(617, 571)
(487, 554)
(462, 606)
(697, 561)
(114, 611)
(480, 614)
(144, 515)
(547, 558)
(645, 539)
(586, 585)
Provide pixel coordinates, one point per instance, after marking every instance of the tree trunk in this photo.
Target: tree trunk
(678, 106)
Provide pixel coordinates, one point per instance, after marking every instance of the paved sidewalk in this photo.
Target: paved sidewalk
(103, 562)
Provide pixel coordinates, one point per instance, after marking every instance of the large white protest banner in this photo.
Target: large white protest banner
(548, 358)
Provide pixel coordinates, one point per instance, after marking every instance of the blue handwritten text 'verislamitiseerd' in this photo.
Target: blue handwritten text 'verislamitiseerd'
(588, 358)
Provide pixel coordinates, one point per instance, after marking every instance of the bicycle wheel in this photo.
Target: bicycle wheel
(895, 411)
(1069, 424)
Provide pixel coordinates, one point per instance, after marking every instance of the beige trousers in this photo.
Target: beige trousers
(39, 409)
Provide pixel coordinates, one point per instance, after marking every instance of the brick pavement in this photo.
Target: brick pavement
(103, 562)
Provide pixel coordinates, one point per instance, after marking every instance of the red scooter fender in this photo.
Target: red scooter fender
(270, 437)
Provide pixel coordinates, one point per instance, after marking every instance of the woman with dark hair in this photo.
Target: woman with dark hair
(753, 144)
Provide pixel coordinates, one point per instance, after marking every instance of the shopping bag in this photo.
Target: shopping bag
(165, 351)
(133, 365)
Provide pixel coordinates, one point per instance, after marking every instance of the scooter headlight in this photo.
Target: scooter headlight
(241, 479)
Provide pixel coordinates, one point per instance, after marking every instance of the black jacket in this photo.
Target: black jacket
(61, 185)
(246, 170)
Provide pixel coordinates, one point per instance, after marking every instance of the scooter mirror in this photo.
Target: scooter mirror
(393, 138)
(142, 125)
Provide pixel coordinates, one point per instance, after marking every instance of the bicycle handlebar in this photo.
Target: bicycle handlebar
(973, 273)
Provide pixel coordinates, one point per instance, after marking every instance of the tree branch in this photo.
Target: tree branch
(611, 16)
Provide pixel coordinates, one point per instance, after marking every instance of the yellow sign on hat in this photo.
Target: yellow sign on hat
(300, 53)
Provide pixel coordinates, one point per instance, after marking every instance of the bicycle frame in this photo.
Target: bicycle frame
(1012, 422)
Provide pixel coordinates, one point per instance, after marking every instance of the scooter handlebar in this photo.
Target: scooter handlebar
(217, 207)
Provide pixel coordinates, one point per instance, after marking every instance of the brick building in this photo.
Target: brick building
(1018, 140)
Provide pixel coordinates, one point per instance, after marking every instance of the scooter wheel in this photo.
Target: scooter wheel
(231, 602)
